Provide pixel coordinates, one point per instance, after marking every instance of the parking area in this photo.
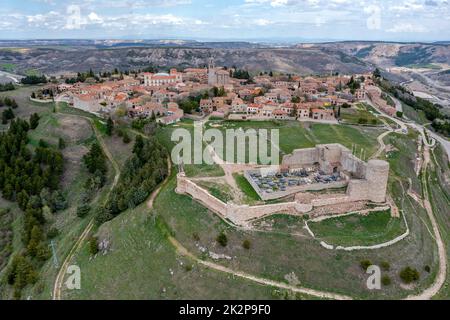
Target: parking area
(279, 184)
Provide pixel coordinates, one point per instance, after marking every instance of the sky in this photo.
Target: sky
(254, 20)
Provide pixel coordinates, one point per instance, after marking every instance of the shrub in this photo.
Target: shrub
(102, 215)
(246, 244)
(362, 121)
(52, 233)
(386, 280)
(61, 144)
(196, 236)
(385, 266)
(83, 210)
(409, 275)
(222, 239)
(126, 138)
(93, 246)
(427, 269)
(188, 267)
(365, 264)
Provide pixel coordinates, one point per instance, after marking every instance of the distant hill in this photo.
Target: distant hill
(387, 54)
(56, 59)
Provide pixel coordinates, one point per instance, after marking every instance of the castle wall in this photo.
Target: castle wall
(301, 158)
(353, 165)
(185, 186)
(238, 214)
(377, 176)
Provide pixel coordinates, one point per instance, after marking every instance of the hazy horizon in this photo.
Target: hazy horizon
(234, 20)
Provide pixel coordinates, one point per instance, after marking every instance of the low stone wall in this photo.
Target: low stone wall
(41, 101)
(237, 214)
(186, 186)
(244, 214)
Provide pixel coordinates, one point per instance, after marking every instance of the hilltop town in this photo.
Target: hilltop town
(225, 93)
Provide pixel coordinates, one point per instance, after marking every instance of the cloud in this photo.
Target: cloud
(406, 27)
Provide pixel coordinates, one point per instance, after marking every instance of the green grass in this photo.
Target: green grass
(424, 66)
(402, 160)
(297, 135)
(439, 189)
(358, 230)
(143, 265)
(282, 223)
(415, 115)
(220, 191)
(353, 115)
(251, 196)
(276, 254)
(8, 67)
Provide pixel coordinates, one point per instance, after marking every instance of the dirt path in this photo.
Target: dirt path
(442, 272)
(382, 144)
(82, 238)
(211, 265)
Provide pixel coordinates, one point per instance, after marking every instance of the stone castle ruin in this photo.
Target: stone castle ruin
(325, 167)
(330, 166)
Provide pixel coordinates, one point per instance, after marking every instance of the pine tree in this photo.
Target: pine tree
(109, 126)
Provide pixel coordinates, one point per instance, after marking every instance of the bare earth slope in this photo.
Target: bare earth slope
(73, 59)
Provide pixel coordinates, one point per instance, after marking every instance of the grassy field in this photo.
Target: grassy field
(358, 230)
(277, 254)
(403, 157)
(221, 191)
(250, 193)
(416, 116)
(355, 114)
(282, 223)
(141, 264)
(439, 188)
(297, 135)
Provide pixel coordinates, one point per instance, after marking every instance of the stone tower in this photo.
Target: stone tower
(377, 176)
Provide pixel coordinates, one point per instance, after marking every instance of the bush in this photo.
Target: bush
(222, 239)
(399, 114)
(427, 269)
(385, 266)
(52, 233)
(386, 280)
(196, 236)
(362, 121)
(345, 105)
(83, 210)
(246, 244)
(188, 267)
(61, 144)
(409, 275)
(126, 138)
(102, 215)
(93, 246)
(365, 264)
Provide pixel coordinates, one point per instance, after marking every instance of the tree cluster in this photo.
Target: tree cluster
(145, 169)
(240, 74)
(32, 180)
(441, 122)
(7, 87)
(33, 79)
